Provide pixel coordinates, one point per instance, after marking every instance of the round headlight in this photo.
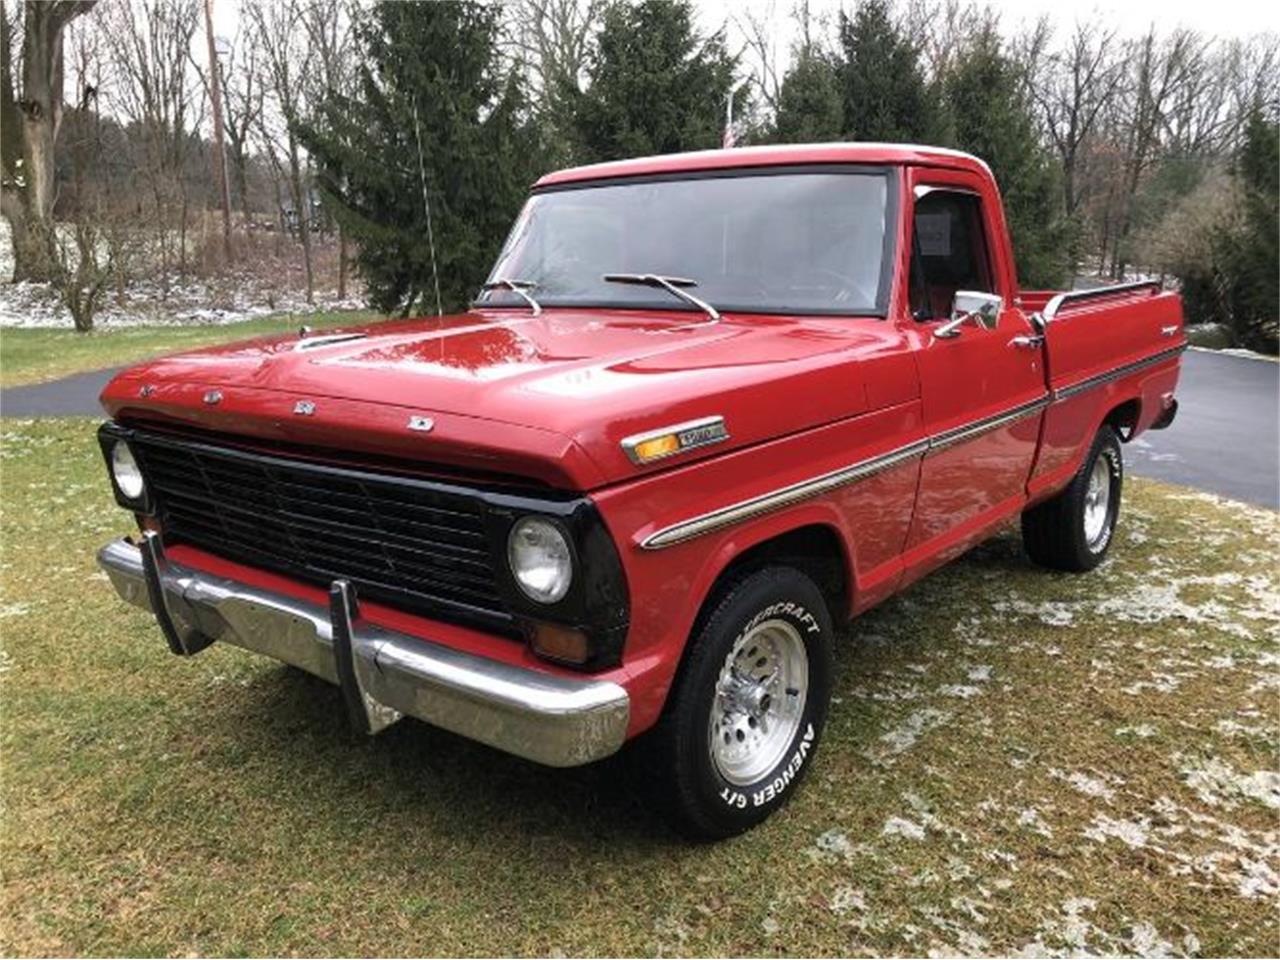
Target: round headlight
(540, 559)
(125, 470)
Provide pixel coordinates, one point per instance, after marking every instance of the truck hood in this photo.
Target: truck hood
(547, 397)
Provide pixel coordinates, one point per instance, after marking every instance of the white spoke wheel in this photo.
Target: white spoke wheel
(746, 711)
(1097, 503)
(760, 698)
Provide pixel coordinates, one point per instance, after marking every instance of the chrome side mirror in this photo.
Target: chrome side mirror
(974, 306)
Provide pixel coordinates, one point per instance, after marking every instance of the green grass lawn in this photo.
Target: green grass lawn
(33, 356)
(1016, 761)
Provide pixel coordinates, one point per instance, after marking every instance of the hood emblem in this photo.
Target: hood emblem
(147, 390)
(421, 424)
(304, 408)
(213, 396)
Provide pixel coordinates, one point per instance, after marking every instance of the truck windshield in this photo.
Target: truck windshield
(768, 242)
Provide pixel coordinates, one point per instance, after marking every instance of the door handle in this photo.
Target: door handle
(1027, 342)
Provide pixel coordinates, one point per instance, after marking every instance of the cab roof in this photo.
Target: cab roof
(882, 154)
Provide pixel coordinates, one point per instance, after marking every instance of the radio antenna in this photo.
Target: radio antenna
(426, 205)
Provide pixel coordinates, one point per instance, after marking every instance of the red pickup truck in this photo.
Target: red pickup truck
(708, 407)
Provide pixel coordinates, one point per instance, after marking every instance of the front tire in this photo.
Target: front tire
(746, 713)
(1074, 530)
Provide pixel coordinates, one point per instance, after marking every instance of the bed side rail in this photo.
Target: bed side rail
(1072, 297)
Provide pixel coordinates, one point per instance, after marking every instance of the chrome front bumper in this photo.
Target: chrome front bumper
(384, 675)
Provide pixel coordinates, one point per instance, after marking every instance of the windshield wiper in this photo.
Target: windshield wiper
(672, 285)
(520, 288)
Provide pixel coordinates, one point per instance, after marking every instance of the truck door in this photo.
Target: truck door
(982, 380)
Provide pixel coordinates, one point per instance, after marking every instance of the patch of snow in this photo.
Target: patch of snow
(963, 691)
(846, 899)
(1145, 941)
(1052, 612)
(904, 736)
(195, 302)
(901, 827)
(1030, 817)
(1257, 879)
(1140, 730)
(1233, 728)
(834, 842)
(1216, 783)
(1090, 786)
(1132, 833)
(1160, 683)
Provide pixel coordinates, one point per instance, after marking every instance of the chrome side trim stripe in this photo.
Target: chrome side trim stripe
(968, 431)
(1062, 393)
(786, 496)
(805, 489)
(768, 502)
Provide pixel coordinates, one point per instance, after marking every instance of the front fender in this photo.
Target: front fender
(669, 585)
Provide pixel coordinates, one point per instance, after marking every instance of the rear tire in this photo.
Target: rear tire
(733, 745)
(1074, 530)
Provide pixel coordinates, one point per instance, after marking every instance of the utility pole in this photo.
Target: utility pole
(219, 147)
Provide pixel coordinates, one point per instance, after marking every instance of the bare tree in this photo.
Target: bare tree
(552, 38)
(219, 141)
(287, 61)
(84, 253)
(1158, 71)
(1071, 88)
(242, 95)
(756, 25)
(549, 40)
(158, 93)
(327, 25)
(30, 116)
(939, 30)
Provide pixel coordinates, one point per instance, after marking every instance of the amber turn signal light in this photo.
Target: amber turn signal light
(564, 644)
(657, 447)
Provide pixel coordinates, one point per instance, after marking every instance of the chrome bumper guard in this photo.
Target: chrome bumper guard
(383, 674)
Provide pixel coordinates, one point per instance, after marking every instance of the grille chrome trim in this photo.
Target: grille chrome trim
(420, 545)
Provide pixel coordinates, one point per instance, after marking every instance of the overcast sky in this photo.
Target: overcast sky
(1224, 18)
(1227, 18)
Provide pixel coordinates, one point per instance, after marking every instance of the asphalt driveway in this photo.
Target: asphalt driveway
(1224, 439)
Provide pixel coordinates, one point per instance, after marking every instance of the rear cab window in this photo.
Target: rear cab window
(949, 251)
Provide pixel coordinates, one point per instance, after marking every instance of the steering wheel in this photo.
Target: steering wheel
(847, 288)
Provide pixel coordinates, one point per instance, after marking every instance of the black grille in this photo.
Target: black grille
(410, 543)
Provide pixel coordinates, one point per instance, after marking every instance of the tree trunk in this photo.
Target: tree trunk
(342, 264)
(281, 226)
(303, 211)
(242, 184)
(182, 235)
(29, 190)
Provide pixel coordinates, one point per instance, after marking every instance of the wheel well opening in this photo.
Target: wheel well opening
(814, 550)
(1124, 418)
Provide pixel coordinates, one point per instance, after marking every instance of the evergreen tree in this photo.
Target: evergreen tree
(882, 86)
(655, 85)
(809, 105)
(429, 71)
(1255, 314)
(989, 116)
